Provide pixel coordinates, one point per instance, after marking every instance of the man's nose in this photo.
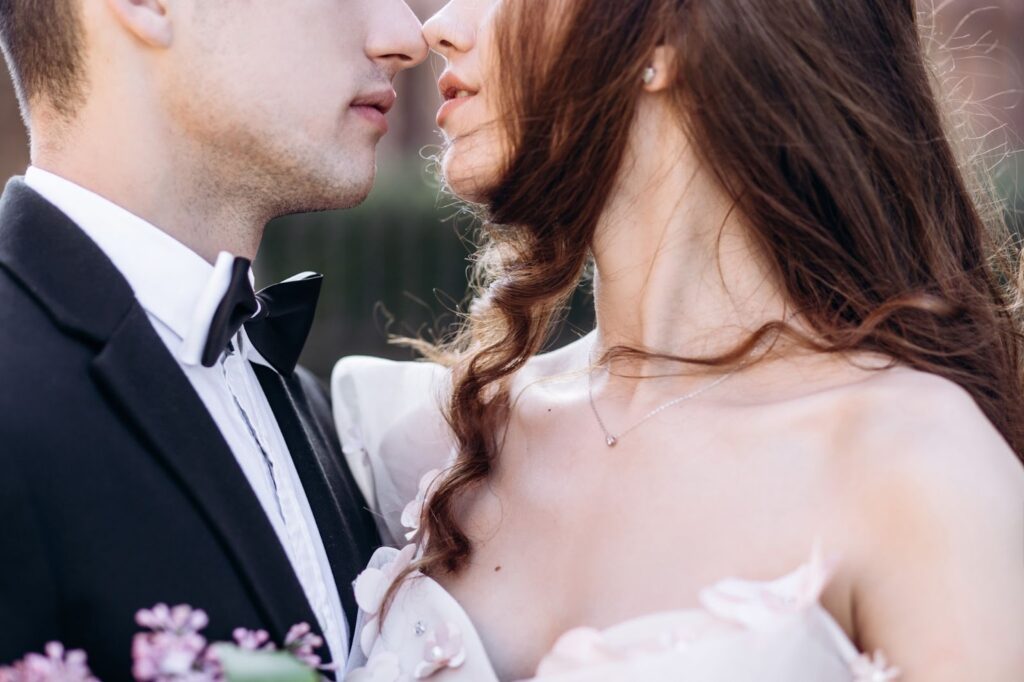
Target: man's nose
(396, 38)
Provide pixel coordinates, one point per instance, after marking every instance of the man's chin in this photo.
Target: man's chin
(329, 194)
(353, 189)
(362, 194)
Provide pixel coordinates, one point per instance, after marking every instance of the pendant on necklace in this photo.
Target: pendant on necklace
(612, 441)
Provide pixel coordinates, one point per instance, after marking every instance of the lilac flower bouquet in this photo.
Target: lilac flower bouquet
(171, 648)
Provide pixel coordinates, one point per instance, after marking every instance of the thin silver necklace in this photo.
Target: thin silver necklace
(611, 439)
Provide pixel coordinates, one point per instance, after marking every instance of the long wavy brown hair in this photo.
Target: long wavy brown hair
(819, 118)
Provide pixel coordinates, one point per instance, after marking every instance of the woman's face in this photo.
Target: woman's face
(463, 33)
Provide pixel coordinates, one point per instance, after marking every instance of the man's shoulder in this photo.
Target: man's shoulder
(22, 317)
(38, 360)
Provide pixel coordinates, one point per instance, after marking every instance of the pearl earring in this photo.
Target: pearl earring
(649, 74)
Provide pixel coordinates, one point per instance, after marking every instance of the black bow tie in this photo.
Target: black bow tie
(276, 319)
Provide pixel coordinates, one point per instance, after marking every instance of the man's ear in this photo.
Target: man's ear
(147, 20)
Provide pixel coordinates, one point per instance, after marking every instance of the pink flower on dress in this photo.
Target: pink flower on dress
(577, 650)
(371, 587)
(759, 605)
(384, 667)
(57, 665)
(413, 511)
(873, 669)
(587, 648)
(443, 649)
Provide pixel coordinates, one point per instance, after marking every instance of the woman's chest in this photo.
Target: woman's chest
(600, 548)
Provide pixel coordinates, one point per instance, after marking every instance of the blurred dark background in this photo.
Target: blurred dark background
(397, 264)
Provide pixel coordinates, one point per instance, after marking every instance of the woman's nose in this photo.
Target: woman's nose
(446, 32)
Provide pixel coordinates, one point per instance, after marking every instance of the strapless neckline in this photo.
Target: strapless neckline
(396, 441)
(427, 631)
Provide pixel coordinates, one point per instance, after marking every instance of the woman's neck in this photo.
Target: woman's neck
(677, 272)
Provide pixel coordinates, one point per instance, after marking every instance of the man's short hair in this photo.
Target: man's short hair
(42, 41)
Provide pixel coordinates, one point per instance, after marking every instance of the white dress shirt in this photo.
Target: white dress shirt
(168, 280)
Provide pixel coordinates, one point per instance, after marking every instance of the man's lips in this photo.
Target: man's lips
(381, 100)
(375, 106)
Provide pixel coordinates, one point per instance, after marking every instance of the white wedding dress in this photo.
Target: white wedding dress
(396, 441)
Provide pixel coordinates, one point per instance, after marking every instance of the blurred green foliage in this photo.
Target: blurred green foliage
(1010, 181)
(395, 265)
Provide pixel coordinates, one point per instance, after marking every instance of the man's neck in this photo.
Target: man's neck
(156, 184)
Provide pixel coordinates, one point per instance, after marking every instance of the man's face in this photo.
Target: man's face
(284, 103)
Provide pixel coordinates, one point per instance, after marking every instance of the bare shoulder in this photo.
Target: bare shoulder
(909, 443)
(903, 420)
(933, 504)
(565, 361)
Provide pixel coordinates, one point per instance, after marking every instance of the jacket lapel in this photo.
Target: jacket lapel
(336, 509)
(179, 430)
(89, 299)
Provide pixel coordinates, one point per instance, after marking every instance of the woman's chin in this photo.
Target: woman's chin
(470, 172)
(468, 184)
(466, 192)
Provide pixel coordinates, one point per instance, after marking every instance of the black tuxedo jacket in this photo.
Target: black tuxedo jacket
(117, 490)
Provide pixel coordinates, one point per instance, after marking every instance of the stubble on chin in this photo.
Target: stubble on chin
(274, 180)
(302, 187)
(264, 169)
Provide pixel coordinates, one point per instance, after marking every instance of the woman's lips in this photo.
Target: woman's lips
(449, 106)
(455, 92)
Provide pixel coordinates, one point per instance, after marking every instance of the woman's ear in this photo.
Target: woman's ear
(661, 71)
(147, 20)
